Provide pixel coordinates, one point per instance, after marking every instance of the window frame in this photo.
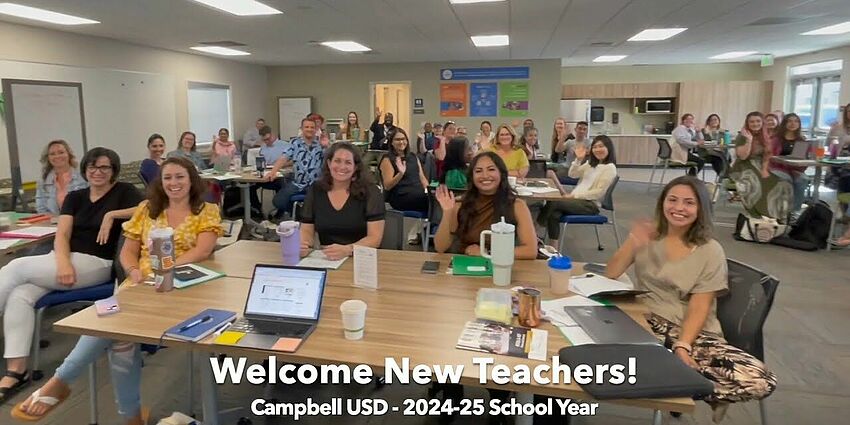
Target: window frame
(817, 79)
(201, 138)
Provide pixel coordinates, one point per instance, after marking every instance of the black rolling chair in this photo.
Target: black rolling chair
(743, 311)
(663, 159)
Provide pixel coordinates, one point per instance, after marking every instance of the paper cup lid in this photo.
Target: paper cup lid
(561, 263)
(353, 306)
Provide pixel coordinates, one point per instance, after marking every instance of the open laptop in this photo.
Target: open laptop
(800, 150)
(283, 302)
(610, 325)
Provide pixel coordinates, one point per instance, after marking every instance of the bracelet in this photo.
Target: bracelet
(683, 345)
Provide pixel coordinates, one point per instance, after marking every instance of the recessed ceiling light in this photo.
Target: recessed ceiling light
(733, 55)
(43, 15)
(346, 46)
(490, 40)
(656, 34)
(472, 1)
(241, 7)
(610, 58)
(836, 29)
(218, 50)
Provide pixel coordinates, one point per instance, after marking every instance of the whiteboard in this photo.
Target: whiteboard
(290, 111)
(121, 109)
(38, 112)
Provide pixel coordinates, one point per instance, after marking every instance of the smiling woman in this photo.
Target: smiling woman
(344, 206)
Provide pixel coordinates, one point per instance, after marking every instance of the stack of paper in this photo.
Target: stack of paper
(34, 232)
(592, 284)
(554, 311)
(317, 260)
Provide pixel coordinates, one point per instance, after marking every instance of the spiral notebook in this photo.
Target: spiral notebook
(200, 325)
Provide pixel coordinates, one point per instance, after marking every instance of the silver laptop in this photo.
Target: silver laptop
(610, 325)
(800, 150)
(283, 301)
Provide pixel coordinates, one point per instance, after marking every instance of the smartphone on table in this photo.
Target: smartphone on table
(430, 267)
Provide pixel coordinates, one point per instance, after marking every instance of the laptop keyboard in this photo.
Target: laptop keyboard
(281, 329)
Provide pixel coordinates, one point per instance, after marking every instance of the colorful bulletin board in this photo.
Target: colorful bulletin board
(453, 100)
(513, 99)
(483, 99)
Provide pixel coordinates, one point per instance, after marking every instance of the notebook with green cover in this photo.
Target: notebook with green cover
(465, 265)
(193, 274)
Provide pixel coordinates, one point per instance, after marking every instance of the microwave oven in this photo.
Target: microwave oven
(659, 105)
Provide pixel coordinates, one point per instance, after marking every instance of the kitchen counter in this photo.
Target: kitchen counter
(637, 149)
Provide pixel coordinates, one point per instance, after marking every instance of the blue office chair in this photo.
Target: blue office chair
(596, 219)
(297, 202)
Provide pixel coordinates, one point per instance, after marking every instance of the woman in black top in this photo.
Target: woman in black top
(83, 249)
(403, 179)
(344, 206)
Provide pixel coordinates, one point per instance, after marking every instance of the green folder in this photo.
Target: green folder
(480, 266)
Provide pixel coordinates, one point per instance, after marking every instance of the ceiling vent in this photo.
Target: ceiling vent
(777, 21)
(602, 44)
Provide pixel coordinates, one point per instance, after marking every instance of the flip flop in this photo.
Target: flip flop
(19, 413)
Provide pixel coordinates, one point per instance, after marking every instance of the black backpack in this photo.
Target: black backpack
(811, 231)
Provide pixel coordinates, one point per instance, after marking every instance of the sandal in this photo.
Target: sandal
(51, 402)
(9, 392)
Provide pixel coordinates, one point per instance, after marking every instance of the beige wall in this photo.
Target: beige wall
(659, 73)
(779, 74)
(248, 83)
(337, 89)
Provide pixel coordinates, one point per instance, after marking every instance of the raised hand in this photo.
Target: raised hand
(581, 151)
(643, 232)
(445, 198)
(401, 165)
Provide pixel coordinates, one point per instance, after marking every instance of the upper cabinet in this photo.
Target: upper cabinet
(732, 100)
(619, 90)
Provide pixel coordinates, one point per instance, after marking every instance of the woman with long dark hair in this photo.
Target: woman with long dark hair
(488, 198)
(595, 177)
(459, 153)
(156, 152)
(351, 128)
(788, 133)
(175, 200)
(683, 268)
(762, 192)
(343, 206)
(403, 179)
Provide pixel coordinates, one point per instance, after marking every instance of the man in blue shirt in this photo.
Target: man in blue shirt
(272, 149)
(305, 154)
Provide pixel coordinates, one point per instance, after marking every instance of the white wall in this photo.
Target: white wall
(779, 74)
(81, 57)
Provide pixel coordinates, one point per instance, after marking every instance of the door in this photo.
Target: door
(395, 99)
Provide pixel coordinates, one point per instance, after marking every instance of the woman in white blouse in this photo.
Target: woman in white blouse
(595, 176)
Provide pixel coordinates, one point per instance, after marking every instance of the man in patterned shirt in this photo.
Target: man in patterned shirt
(305, 154)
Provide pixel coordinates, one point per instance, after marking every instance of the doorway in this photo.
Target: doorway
(393, 97)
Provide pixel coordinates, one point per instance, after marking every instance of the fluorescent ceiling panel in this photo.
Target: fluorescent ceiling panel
(42, 15)
(836, 29)
(472, 1)
(733, 55)
(218, 50)
(346, 46)
(490, 40)
(610, 58)
(241, 7)
(656, 34)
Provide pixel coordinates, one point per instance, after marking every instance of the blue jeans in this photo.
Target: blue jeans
(125, 365)
(282, 199)
(800, 182)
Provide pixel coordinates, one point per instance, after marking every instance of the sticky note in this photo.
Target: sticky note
(229, 337)
(288, 345)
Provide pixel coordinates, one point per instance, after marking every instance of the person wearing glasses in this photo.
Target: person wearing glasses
(83, 250)
(403, 179)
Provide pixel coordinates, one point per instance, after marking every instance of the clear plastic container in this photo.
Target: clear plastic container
(494, 304)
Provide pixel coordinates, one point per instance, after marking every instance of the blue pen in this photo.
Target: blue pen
(195, 323)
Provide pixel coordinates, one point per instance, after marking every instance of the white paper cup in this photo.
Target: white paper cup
(353, 318)
(512, 181)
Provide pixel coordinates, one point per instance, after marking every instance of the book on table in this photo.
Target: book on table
(497, 338)
(201, 325)
(467, 265)
(193, 274)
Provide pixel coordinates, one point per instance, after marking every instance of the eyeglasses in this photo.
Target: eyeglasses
(399, 139)
(103, 169)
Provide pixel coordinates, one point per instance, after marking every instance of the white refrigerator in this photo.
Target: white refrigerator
(574, 111)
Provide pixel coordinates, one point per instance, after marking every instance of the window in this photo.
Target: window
(814, 95)
(209, 110)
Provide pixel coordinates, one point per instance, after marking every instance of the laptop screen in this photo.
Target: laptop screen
(286, 292)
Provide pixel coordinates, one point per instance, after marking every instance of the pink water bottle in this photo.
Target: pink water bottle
(290, 242)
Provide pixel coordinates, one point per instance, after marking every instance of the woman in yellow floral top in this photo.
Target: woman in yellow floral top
(175, 199)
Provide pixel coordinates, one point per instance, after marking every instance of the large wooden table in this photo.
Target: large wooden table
(413, 315)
